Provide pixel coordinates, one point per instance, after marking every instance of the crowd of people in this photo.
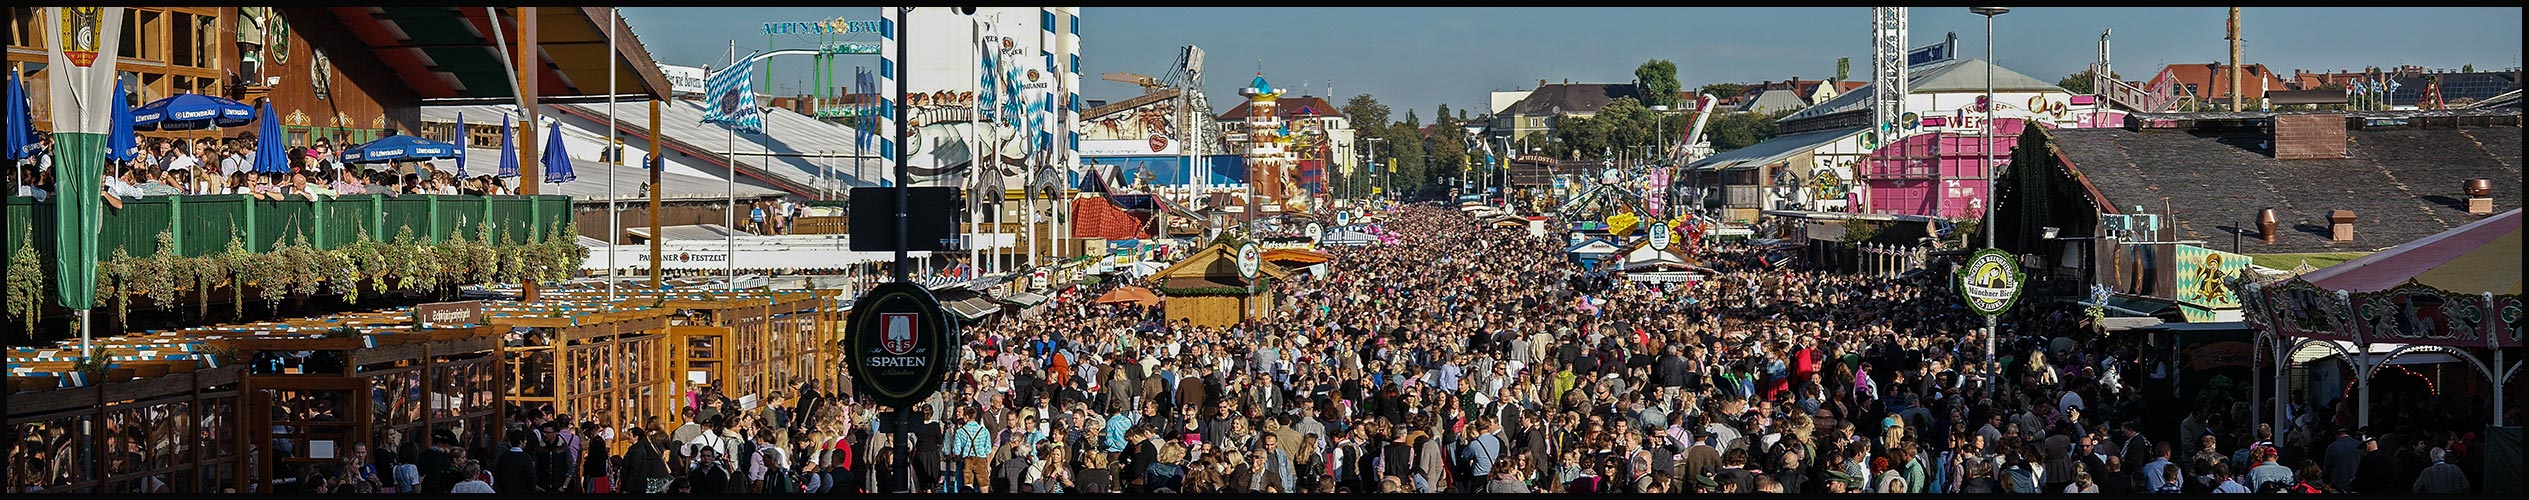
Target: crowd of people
(171, 167)
(1466, 359)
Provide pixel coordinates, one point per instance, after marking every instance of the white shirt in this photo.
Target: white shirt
(115, 186)
(472, 486)
(240, 162)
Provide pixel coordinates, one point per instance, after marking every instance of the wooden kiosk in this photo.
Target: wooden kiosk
(319, 387)
(612, 366)
(163, 420)
(1207, 289)
(749, 342)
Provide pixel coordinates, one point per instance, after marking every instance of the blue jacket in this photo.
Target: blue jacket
(971, 440)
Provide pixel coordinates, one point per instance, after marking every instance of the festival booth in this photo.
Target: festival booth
(157, 416)
(748, 342)
(1348, 236)
(2454, 295)
(393, 379)
(1302, 260)
(1645, 264)
(588, 363)
(1588, 252)
(1209, 289)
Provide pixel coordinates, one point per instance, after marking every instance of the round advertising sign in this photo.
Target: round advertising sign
(1659, 236)
(1316, 231)
(1991, 281)
(1250, 259)
(902, 344)
(1343, 218)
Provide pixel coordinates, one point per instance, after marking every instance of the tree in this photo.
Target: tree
(1366, 112)
(1447, 145)
(1843, 68)
(2079, 82)
(2467, 68)
(1626, 124)
(1658, 80)
(1583, 135)
(1539, 141)
(1405, 142)
(1739, 130)
(1722, 90)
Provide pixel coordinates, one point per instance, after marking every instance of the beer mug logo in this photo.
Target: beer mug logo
(899, 333)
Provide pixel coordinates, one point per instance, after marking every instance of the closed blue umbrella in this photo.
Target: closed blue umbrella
(120, 141)
(509, 154)
(557, 163)
(461, 144)
(192, 112)
(271, 155)
(22, 138)
(396, 148)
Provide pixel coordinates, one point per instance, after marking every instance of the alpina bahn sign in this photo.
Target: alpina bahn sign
(902, 344)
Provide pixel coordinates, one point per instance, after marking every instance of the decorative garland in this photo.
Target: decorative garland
(295, 268)
(26, 281)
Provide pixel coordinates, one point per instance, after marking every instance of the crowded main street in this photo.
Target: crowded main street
(527, 250)
(1464, 359)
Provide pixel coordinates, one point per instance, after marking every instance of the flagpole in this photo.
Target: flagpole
(728, 151)
(613, 232)
(975, 161)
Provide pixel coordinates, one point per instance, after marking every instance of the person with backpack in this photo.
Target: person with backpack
(645, 467)
(768, 467)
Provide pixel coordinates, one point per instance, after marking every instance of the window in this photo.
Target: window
(183, 43)
(144, 35)
(22, 32)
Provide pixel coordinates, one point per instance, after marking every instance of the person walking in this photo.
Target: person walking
(2442, 476)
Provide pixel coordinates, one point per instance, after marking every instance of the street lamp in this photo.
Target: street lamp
(1374, 163)
(1992, 323)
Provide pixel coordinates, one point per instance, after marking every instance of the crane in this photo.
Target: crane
(1148, 83)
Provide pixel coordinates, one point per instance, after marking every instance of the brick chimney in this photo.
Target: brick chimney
(2309, 136)
(2265, 225)
(2340, 225)
(2480, 196)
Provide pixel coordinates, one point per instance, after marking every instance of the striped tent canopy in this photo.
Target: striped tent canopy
(2483, 257)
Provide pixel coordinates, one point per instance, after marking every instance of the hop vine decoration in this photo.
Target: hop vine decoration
(234, 266)
(110, 282)
(165, 275)
(26, 281)
(296, 268)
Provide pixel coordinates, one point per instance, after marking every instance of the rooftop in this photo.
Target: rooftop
(1290, 107)
(2402, 183)
(1569, 98)
(1955, 75)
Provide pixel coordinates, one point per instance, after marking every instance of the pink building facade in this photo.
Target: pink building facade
(1935, 174)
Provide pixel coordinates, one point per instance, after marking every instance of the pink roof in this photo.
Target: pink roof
(2479, 257)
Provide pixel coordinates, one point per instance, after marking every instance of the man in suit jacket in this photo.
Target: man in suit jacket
(1277, 467)
(514, 471)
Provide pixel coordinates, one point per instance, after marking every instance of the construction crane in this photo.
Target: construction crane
(1148, 83)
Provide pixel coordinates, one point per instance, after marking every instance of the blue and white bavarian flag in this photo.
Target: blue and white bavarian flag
(729, 95)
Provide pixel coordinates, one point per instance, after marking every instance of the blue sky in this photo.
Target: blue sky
(1419, 58)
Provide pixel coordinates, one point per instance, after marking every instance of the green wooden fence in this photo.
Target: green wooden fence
(204, 224)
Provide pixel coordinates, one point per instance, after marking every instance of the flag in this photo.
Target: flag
(731, 93)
